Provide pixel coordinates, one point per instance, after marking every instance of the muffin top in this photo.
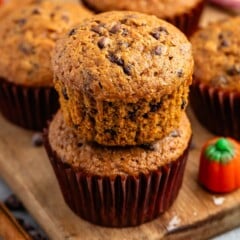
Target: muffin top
(27, 37)
(105, 161)
(123, 56)
(217, 55)
(160, 8)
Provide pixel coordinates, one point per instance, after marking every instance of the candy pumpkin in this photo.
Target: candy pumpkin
(219, 169)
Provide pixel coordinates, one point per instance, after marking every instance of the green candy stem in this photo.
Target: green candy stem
(221, 151)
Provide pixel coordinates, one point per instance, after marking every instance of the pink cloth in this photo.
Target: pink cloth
(227, 3)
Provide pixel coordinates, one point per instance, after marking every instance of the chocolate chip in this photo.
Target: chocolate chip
(175, 133)
(64, 93)
(100, 85)
(127, 69)
(79, 144)
(148, 146)
(111, 132)
(72, 32)
(158, 50)
(224, 43)
(163, 29)
(115, 59)
(184, 104)
(21, 21)
(26, 48)
(180, 73)
(154, 107)
(233, 70)
(65, 18)
(170, 58)
(145, 115)
(37, 139)
(116, 28)
(36, 11)
(155, 34)
(13, 203)
(103, 42)
(97, 28)
(132, 115)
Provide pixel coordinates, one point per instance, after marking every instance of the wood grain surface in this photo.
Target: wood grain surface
(194, 215)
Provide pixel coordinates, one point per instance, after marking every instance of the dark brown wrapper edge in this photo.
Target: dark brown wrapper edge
(28, 107)
(118, 201)
(187, 22)
(217, 110)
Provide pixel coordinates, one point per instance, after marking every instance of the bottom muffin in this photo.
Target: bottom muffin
(117, 186)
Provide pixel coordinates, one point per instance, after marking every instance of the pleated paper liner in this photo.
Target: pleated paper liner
(217, 110)
(118, 201)
(28, 107)
(186, 22)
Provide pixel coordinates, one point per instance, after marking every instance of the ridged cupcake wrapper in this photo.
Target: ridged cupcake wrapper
(118, 201)
(188, 22)
(28, 107)
(217, 110)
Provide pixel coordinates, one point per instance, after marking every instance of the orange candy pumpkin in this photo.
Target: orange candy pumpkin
(219, 169)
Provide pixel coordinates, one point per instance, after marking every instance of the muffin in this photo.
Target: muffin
(28, 35)
(123, 78)
(215, 93)
(117, 186)
(181, 13)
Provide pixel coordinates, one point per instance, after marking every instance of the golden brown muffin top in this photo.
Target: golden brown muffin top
(27, 37)
(103, 161)
(123, 56)
(217, 55)
(160, 8)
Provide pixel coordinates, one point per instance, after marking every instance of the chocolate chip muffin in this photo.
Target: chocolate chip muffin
(183, 14)
(113, 176)
(123, 78)
(215, 94)
(27, 38)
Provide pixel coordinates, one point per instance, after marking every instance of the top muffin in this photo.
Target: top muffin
(160, 8)
(27, 37)
(124, 76)
(216, 53)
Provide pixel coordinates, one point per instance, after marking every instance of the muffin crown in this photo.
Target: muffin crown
(216, 54)
(160, 8)
(124, 56)
(28, 36)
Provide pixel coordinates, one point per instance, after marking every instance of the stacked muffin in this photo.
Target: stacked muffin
(119, 144)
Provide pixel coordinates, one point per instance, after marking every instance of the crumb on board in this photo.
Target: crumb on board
(218, 200)
(174, 222)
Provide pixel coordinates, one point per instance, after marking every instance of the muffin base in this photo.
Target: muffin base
(217, 110)
(187, 22)
(28, 107)
(118, 201)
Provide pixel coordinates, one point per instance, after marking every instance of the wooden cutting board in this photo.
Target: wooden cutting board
(9, 227)
(196, 213)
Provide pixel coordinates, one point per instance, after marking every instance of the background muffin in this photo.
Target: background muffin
(118, 186)
(27, 38)
(215, 94)
(183, 14)
(123, 78)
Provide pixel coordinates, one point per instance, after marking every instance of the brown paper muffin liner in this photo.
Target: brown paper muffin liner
(28, 107)
(217, 110)
(187, 22)
(118, 201)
